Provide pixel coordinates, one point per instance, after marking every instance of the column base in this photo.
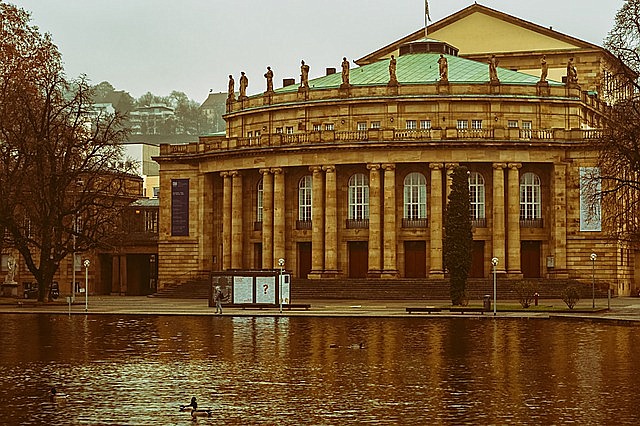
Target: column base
(515, 274)
(314, 275)
(436, 274)
(389, 274)
(331, 274)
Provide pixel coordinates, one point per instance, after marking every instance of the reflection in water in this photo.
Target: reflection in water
(291, 371)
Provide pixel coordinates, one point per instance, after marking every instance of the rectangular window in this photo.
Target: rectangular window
(151, 221)
(526, 125)
(425, 124)
(257, 133)
(362, 125)
(278, 130)
(412, 124)
(317, 127)
(512, 124)
(289, 130)
(328, 126)
(249, 135)
(476, 124)
(462, 125)
(375, 124)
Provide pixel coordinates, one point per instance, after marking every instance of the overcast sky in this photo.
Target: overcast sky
(193, 45)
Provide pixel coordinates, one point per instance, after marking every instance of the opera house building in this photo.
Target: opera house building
(344, 173)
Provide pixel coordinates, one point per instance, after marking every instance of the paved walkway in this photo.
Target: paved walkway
(623, 309)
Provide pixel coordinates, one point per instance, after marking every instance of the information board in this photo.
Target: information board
(180, 207)
(242, 289)
(266, 290)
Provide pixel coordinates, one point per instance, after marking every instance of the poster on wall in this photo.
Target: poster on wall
(590, 206)
(180, 207)
(266, 290)
(285, 280)
(242, 289)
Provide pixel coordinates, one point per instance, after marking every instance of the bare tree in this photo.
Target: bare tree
(57, 153)
(619, 145)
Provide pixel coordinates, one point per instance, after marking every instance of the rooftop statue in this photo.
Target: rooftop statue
(345, 72)
(544, 69)
(393, 80)
(493, 69)
(572, 72)
(244, 82)
(231, 94)
(444, 68)
(269, 76)
(304, 75)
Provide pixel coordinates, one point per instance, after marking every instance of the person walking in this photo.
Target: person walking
(217, 298)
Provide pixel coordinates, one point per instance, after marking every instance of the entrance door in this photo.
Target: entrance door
(358, 259)
(415, 259)
(530, 259)
(477, 260)
(304, 259)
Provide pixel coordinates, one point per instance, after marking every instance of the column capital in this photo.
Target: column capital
(451, 166)
(264, 171)
(373, 166)
(329, 169)
(234, 173)
(389, 166)
(499, 165)
(277, 170)
(515, 166)
(224, 174)
(315, 169)
(435, 166)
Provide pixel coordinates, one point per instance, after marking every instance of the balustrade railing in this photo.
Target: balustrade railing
(531, 223)
(357, 223)
(412, 134)
(415, 223)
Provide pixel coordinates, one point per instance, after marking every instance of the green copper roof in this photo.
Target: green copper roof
(419, 68)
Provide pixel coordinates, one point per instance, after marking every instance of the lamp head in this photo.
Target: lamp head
(593, 257)
(494, 261)
(86, 263)
(280, 262)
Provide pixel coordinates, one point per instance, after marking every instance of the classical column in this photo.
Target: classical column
(226, 220)
(435, 224)
(559, 221)
(375, 232)
(499, 250)
(317, 222)
(236, 221)
(389, 235)
(267, 219)
(278, 215)
(331, 222)
(513, 222)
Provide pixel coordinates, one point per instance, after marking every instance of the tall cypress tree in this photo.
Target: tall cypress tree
(458, 235)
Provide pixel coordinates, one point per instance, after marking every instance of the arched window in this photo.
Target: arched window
(358, 197)
(530, 197)
(415, 196)
(304, 198)
(259, 194)
(476, 195)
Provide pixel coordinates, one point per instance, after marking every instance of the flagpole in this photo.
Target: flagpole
(427, 17)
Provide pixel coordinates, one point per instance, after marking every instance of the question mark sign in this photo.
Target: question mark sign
(265, 286)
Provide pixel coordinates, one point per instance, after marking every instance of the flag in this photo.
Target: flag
(426, 10)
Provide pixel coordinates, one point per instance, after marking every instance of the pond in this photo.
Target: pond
(137, 370)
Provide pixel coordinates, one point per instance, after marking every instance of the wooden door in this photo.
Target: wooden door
(257, 256)
(477, 260)
(415, 259)
(304, 259)
(530, 259)
(358, 259)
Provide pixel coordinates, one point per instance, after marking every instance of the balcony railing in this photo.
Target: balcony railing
(531, 223)
(415, 223)
(304, 224)
(528, 134)
(475, 133)
(480, 222)
(412, 134)
(357, 223)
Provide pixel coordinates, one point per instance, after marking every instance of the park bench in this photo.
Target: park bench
(469, 309)
(427, 309)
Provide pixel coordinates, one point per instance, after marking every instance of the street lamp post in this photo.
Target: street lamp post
(593, 279)
(281, 265)
(494, 263)
(86, 284)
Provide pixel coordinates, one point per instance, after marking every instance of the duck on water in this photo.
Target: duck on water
(193, 408)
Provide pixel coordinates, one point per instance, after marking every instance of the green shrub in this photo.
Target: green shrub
(525, 291)
(571, 295)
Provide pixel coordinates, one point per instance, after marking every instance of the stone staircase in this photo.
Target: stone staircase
(379, 289)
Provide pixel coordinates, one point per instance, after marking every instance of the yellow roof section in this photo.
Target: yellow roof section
(482, 33)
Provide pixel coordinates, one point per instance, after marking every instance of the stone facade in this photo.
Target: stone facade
(352, 182)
